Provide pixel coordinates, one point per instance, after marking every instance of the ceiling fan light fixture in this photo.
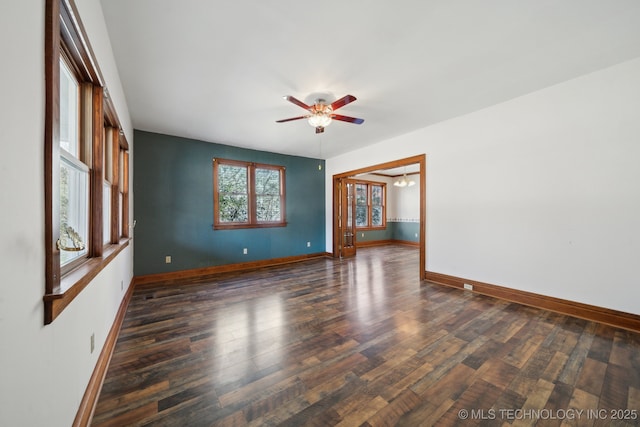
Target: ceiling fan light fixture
(319, 119)
(322, 114)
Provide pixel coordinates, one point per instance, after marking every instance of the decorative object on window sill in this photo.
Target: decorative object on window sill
(69, 240)
(404, 182)
(321, 114)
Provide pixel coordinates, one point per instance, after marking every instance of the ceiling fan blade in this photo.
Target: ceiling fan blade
(347, 119)
(297, 102)
(342, 102)
(319, 129)
(292, 118)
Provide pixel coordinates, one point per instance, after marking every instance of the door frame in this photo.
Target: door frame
(420, 159)
(341, 199)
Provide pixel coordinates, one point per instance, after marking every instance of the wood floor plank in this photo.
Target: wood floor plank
(129, 417)
(615, 387)
(506, 328)
(273, 399)
(498, 373)
(555, 366)
(360, 408)
(451, 385)
(634, 399)
(389, 414)
(119, 403)
(407, 382)
(623, 354)
(479, 403)
(592, 376)
(521, 354)
(559, 399)
(391, 362)
(536, 400)
(581, 400)
(356, 341)
(577, 357)
(257, 390)
(425, 414)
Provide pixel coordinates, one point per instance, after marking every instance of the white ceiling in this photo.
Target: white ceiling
(217, 70)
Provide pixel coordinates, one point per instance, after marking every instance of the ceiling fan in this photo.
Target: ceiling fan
(321, 114)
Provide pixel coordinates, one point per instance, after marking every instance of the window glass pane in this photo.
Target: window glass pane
(232, 179)
(268, 208)
(74, 210)
(362, 205)
(234, 208)
(349, 204)
(376, 195)
(267, 182)
(69, 115)
(361, 194)
(120, 212)
(121, 172)
(107, 137)
(361, 216)
(377, 204)
(376, 216)
(267, 195)
(106, 213)
(233, 198)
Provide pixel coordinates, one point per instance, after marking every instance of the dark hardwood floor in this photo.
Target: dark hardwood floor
(360, 342)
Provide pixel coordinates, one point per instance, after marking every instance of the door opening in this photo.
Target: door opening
(344, 228)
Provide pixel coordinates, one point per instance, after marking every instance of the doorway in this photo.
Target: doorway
(344, 231)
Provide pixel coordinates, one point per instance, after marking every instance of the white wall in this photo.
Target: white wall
(44, 370)
(540, 193)
(403, 203)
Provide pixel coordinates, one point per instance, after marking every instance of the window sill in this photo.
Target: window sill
(76, 280)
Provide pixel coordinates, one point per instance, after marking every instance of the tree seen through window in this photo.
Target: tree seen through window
(248, 194)
(370, 204)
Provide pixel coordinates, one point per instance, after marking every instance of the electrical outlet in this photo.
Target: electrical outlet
(167, 259)
(308, 244)
(93, 341)
(468, 287)
(245, 251)
(121, 284)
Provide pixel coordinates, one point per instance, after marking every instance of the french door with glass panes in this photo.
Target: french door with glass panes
(344, 217)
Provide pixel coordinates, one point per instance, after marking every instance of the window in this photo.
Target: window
(123, 190)
(370, 205)
(248, 195)
(83, 199)
(74, 174)
(378, 212)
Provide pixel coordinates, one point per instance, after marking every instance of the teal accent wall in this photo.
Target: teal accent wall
(374, 235)
(405, 231)
(173, 207)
